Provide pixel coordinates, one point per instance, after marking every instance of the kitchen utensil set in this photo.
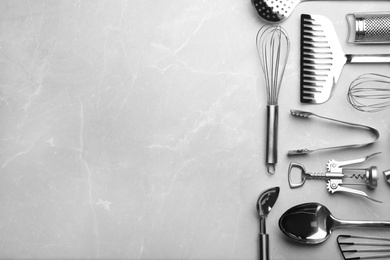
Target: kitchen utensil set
(322, 61)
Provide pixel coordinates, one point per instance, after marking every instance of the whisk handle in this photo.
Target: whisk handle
(368, 58)
(272, 137)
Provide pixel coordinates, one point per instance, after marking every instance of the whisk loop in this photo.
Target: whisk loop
(370, 92)
(273, 47)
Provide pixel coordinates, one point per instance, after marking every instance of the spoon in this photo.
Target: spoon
(312, 223)
(264, 204)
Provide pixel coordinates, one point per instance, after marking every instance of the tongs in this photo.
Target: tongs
(336, 175)
(305, 114)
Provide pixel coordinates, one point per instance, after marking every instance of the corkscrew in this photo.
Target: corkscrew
(338, 177)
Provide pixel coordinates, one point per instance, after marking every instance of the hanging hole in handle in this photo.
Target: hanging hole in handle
(271, 168)
(296, 169)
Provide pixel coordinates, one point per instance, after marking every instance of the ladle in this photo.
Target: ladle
(313, 223)
(264, 204)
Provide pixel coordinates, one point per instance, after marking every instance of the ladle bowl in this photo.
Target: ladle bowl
(313, 223)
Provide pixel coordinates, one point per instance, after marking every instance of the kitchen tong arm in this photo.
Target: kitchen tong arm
(306, 114)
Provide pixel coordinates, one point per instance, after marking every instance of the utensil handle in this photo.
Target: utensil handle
(368, 58)
(361, 223)
(272, 137)
(264, 246)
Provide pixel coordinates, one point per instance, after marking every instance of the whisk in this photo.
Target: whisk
(273, 47)
(370, 92)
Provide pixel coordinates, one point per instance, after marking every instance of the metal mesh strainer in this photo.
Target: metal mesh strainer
(369, 28)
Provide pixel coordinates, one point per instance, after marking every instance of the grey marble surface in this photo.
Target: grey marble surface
(136, 130)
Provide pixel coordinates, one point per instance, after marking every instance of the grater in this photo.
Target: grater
(369, 28)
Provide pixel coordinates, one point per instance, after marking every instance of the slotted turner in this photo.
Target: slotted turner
(322, 59)
(363, 247)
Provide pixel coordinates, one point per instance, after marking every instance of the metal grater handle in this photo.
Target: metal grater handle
(368, 28)
(367, 58)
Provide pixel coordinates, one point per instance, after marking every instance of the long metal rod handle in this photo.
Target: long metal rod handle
(264, 246)
(368, 58)
(362, 223)
(272, 137)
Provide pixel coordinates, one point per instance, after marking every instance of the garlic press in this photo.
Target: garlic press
(338, 177)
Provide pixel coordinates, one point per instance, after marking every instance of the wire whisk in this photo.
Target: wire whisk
(370, 92)
(273, 47)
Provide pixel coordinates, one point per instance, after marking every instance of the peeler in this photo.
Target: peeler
(337, 176)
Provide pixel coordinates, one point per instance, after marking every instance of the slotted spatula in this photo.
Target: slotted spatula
(322, 59)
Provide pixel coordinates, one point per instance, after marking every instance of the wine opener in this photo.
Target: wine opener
(337, 176)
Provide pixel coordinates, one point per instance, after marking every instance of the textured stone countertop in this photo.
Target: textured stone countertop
(136, 130)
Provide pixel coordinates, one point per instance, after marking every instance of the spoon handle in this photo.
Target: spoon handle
(264, 246)
(363, 223)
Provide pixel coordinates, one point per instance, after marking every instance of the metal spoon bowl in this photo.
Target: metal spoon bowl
(313, 223)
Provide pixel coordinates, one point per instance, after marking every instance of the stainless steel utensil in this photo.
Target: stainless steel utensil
(370, 92)
(305, 114)
(322, 59)
(264, 204)
(275, 11)
(387, 175)
(273, 47)
(313, 223)
(368, 28)
(363, 247)
(338, 177)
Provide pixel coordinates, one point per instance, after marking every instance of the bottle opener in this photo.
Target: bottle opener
(337, 176)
